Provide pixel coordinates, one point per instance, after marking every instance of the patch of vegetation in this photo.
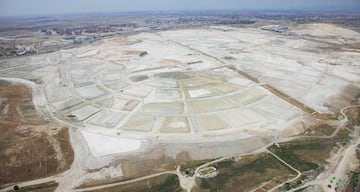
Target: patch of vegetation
(139, 78)
(164, 183)
(26, 148)
(320, 130)
(353, 45)
(354, 182)
(297, 183)
(309, 154)
(171, 183)
(142, 167)
(24, 157)
(192, 165)
(354, 116)
(245, 174)
(295, 154)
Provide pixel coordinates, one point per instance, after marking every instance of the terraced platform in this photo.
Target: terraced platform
(178, 102)
(193, 85)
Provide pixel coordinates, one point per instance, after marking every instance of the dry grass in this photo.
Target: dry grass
(29, 148)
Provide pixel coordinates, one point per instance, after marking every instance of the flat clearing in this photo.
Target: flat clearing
(84, 112)
(175, 124)
(106, 118)
(211, 122)
(101, 145)
(140, 122)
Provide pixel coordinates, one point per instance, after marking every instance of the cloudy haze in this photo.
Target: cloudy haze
(46, 7)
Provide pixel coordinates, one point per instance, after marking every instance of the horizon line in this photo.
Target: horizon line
(178, 11)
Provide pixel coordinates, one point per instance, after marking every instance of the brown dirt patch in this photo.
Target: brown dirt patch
(171, 62)
(160, 183)
(140, 165)
(133, 52)
(30, 148)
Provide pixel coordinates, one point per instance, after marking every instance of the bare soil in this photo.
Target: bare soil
(30, 148)
(163, 183)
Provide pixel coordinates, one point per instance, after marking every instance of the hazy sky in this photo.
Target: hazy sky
(46, 7)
